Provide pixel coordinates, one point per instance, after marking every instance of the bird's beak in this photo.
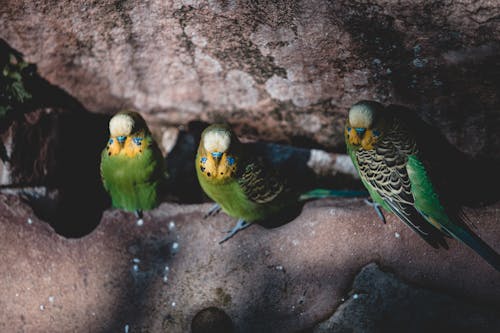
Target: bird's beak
(360, 131)
(121, 139)
(216, 155)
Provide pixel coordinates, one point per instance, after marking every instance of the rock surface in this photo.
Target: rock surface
(380, 302)
(157, 277)
(281, 71)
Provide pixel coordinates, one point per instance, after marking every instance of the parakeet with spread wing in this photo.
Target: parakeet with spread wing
(391, 164)
(132, 166)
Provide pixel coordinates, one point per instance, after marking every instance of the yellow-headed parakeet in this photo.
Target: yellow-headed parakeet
(239, 181)
(384, 149)
(132, 166)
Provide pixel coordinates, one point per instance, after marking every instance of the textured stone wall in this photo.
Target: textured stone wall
(279, 70)
(286, 279)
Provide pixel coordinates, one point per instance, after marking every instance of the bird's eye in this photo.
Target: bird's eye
(110, 141)
(203, 160)
(137, 140)
(376, 133)
(230, 160)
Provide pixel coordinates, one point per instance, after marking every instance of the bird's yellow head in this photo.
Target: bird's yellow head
(363, 128)
(127, 131)
(216, 153)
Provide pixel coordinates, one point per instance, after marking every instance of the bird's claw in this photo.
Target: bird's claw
(213, 211)
(138, 214)
(240, 225)
(377, 208)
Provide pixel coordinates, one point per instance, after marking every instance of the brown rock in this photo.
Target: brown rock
(380, 302)
(281, 280)
(284, 71)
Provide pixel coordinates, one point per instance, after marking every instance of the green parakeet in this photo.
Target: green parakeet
(132, 166)
(242, 184)
(391, 164)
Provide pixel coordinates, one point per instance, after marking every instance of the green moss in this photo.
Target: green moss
(13, 92)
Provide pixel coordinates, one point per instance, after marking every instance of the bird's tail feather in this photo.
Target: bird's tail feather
(475, 243)
(326, 193)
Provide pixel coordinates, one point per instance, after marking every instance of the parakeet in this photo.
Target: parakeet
(132, 166)
(240, 182)
(392, 166)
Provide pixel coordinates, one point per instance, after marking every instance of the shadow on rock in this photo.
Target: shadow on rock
(452, 81)
(54, 154)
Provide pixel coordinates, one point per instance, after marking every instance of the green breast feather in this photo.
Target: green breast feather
(133, 182)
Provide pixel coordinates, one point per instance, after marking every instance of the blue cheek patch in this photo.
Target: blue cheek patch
(121, 138)
(203, 160)
(216, 154)
(348, 129)
(230, 160)
(110, 141)
(376, 133)
(137, 140)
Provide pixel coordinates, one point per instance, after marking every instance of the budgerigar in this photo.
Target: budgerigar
(132, 166)
(240, 182)
(391, 164)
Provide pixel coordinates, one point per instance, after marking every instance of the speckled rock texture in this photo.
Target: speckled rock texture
(380, 302)
(157, 277)
(279, 70)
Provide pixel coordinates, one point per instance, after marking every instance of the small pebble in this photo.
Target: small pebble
(165, 279)
(140, 222)
(173, 304)
(136, 260)
(126, 330)
(279, 268)
(175, 247)
(51, 299)
(42, 307)
(355, 296)
(30, 221)
(135, 268)
(167, 269)
(171, 225)
(419, 63)
(397, 235)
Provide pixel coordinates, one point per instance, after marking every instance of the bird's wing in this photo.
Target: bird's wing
(384, 169)
(260, 184)
(104, 157)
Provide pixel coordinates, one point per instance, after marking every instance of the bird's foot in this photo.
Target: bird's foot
(240, 225)
(377, 208)
(140, 221)
(213, 211)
